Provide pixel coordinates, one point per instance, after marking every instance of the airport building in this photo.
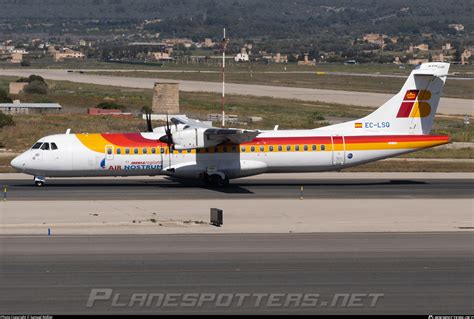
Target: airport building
(30, 108)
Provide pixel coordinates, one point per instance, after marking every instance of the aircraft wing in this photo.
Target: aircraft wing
(188, 122)
(235, 136)
(216, 135)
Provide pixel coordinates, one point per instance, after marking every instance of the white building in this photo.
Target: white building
(242, 57)
(29, 108)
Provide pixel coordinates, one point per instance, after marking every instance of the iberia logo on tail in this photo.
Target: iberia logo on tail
(414, 104)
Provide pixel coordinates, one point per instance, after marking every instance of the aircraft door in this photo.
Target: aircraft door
(161, 151)
(338, 150)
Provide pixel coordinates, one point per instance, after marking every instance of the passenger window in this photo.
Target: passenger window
(144, 150)
(45, 147)
(262, 148)
(243, 149)
(288, 148)
(234, 148)
(37, 145)
(135, 151)
(297, 147)
(280, 148)
(153, 150)
(109, 151)
(323, 147)
(119, 151)
(271, 148)
(54, 146)
(314, 148)
(162, 150)
(305, 147)
(127, 151)
(252, 149)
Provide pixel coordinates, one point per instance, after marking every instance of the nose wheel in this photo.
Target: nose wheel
(39, 181)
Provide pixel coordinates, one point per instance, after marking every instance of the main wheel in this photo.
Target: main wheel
(39, 183)
(216, 180)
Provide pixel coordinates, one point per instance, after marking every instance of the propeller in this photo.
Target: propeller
(149, 127)
(168, 138)
(147, 112)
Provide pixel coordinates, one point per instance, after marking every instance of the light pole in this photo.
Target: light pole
(224, 46)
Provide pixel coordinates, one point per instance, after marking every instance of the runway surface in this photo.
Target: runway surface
(446, 105)
(417, 273)
(252, 188)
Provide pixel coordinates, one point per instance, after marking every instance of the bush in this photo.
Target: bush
(4, 98)
(111, 105)
(22, 80)
(6, 120)
(36, 87)
(38, 78)
(32, 78)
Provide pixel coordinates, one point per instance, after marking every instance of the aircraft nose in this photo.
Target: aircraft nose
(17, 163)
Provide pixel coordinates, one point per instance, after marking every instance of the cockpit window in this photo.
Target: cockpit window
(45, 147)
(37, 145)
(54, 146)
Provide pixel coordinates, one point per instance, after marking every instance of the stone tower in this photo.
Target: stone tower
(165, 98)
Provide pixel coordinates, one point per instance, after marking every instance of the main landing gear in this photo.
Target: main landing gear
(39, 181)
(216, 180)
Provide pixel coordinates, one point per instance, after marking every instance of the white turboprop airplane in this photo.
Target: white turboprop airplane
(190, 149)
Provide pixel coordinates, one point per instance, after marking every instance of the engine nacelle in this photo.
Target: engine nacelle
(192, 138)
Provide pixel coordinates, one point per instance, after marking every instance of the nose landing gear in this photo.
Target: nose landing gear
(39, 181)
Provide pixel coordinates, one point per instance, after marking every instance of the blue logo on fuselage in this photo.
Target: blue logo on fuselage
(102, 163)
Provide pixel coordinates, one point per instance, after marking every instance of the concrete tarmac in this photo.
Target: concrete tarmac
(446, 105)
(413, 273)
(258, 187)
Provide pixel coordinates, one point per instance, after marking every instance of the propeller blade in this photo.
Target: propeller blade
(148, 122)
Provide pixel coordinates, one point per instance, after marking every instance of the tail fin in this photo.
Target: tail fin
(410, 111)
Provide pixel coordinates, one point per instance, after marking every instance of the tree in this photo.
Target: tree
(457, 55)
(35, 77)
(4, 98)
(36, 87)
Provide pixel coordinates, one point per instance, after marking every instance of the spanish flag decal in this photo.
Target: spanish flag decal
(358, 125)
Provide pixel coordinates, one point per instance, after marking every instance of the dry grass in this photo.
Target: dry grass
(380, 84)
(29, 129)
(462, 153)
